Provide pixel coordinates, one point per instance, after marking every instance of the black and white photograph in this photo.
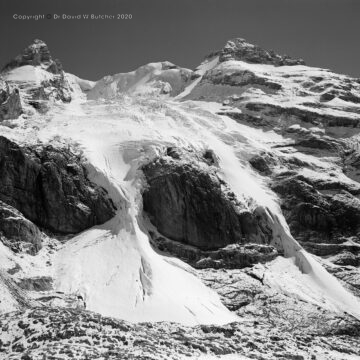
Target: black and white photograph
(180, 180)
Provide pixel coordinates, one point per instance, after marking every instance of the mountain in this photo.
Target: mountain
(37, 77)
(158, 78)
(171, 213)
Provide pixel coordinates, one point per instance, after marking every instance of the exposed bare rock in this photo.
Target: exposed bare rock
(12, 298)
(352, 164)
(239, 78)
(313, 213)
(316, 145)
(274, 96)
(39, 283)
(55, 332)
(53, 86)
(300, 115)
(18, 233)
(234, 256)
(189, 203)
(240, 49)
(36, 54)
(10, 103)
(263, 163)
(248, 293)
(50, 187)
(348, 258)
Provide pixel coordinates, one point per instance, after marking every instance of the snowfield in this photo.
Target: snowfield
(112, 267)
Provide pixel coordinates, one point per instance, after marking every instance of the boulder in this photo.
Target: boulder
(50, 187)
(263, 162)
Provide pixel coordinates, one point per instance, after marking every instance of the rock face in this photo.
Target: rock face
(39, 283)
(189, 203)
(10, 103)
(295, 115)
(49, 186)
(18, 233)
(36, 54)
(324, 216)
(239, 78)
(240, 49)
(233, 256)
(312, 213)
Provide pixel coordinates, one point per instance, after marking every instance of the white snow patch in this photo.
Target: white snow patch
(317, 286)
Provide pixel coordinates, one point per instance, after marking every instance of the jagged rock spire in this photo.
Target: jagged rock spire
(36, 54)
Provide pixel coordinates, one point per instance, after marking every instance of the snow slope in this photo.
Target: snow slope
(28, 74)
(161, 77)
(113, 267)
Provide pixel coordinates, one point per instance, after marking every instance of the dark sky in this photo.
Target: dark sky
(323, 32)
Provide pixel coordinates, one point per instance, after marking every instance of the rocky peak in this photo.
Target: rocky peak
(240, 49)
(36, 54)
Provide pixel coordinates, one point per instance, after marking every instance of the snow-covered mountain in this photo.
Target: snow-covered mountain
(154, 78)
(222, 202)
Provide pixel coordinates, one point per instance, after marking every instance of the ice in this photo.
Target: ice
(112, 266)
(28, 73)
(150, 78)
(315, 286)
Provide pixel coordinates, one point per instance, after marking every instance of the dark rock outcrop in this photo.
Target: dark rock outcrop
(50, 187)
(40, 283)
(298, 115)
(189, 203)
(240, 49)
(18, 233)
(263, 163)
(10, 103)
(36, 54)
(239, 78)
(234, 256)
(318, 211)
(318, 144)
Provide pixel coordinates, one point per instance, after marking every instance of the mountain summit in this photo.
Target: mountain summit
(240, 49)
(36, 54)
(37, 78)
